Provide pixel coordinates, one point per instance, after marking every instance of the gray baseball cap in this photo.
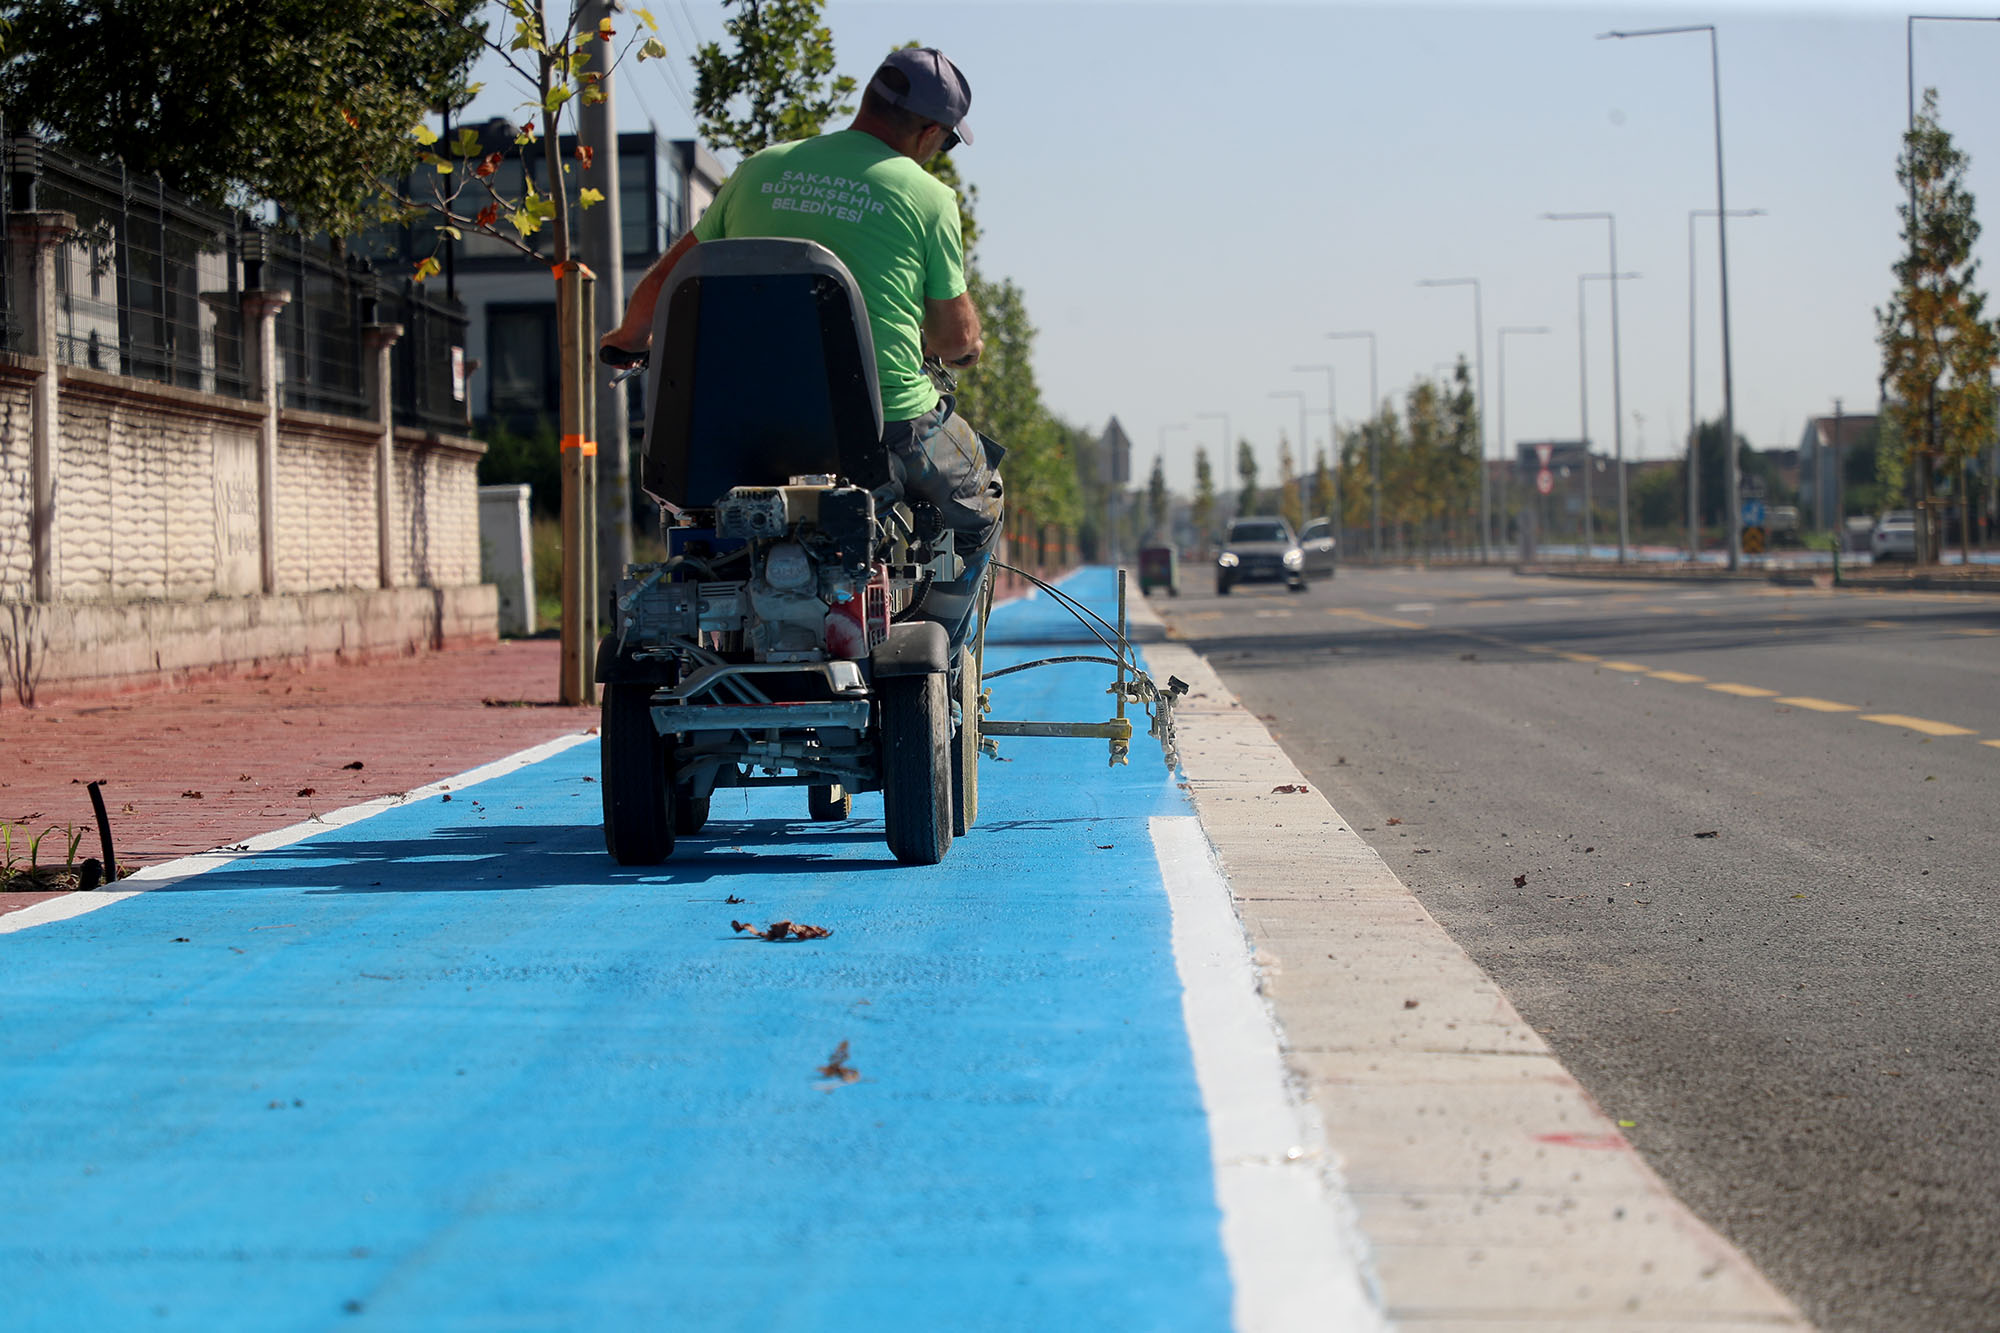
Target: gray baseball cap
(938, 91)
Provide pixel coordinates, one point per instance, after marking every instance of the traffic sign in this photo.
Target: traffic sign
(1545, 481)
(1543, 453)
(1753, 513)
(1753, 540)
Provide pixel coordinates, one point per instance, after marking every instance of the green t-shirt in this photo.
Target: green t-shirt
(891, 222)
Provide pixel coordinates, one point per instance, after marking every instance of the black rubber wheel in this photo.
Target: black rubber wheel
(965, 749)
(638, 798)
(1300, 586)
(916, 767)
(829, 803)
(690, 813)
(1221, 588)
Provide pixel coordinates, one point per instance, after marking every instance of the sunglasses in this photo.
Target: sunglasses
(951, 141)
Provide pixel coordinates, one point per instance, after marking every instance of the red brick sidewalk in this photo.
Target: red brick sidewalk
(186, 770)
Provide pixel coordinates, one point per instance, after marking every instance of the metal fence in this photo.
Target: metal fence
(151, 285)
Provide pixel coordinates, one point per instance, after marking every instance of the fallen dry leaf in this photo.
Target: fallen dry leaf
(244, 777)
(1290, 789)
(732, 898)
(308, 791)
(1395, 821)
(192, 795)
(1710, 834)
(1520, 881)
(780, 931)
(355, 764)
(836, 1066)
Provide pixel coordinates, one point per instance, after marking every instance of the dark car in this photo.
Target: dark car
(1260, 550)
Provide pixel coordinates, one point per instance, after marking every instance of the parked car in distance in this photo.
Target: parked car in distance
(1783, 525)
(1895, 536)
(1260, 550)
(1321, 548)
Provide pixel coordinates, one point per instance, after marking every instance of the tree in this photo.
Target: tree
(299, 101)
(1204, 496)
(1246, 476)
(1938, 350)
(1290, 507)
(1322, 485)
(774, 87)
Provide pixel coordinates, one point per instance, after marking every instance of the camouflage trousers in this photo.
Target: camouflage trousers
(940, 459)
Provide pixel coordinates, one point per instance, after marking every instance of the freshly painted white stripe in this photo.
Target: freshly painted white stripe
(1415, 606)
(172, 872)
(1295, 1251)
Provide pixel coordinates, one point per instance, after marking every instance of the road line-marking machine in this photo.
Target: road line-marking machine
(781, 643)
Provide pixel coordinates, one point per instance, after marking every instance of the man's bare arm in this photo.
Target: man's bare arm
(636, 332)
(952, 332)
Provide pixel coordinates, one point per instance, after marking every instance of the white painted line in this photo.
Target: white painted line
(1296, 1255)
(1415, 606)
(172, 872)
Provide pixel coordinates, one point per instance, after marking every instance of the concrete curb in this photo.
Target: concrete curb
(1494, 1193)
(1781, 578)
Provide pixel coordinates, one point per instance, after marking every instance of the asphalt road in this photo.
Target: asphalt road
(1732, 849)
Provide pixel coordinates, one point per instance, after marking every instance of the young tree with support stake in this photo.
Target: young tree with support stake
(562, 64)
(1938, 349)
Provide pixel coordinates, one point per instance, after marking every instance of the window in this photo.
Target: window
(521, 358)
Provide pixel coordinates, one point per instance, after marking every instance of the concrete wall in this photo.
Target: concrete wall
(157, 534)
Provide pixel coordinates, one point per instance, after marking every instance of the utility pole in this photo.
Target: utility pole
(600, 245)
(1839, 484)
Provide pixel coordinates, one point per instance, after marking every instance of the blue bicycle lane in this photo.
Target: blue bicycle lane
(451, 1067)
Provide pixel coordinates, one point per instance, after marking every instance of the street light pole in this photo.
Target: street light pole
(1617, 378)
(1506, 459)
(1734, 508)
(1374, 445)
(1479, 360)
(1170, 426)
(1583, 399)
(1694, 421)
(1332, 450)
(1299, 476)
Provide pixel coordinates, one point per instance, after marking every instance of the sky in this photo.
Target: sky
(1192, 196)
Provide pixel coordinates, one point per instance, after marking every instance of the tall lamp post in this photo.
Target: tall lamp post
(1694, 421)
(1332, 449)
(1298, 477)
(1617, 377)
(1506, 459)
(1374, 446)
(1734, 508)
(1479, 360)
(1583, 400)
(1167, 524)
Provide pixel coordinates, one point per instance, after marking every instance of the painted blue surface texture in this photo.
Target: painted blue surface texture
(452, 1068)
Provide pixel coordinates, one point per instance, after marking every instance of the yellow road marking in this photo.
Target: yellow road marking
(1707, 611)
(1743, 691)
(1880, 624)
(1374, 619)
(1978, 633)
(1579, 657)
(1625, 666)
(1677, 677)
(1994, 744)
(1925, 725)
(1538, 647)
(1817, 705)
